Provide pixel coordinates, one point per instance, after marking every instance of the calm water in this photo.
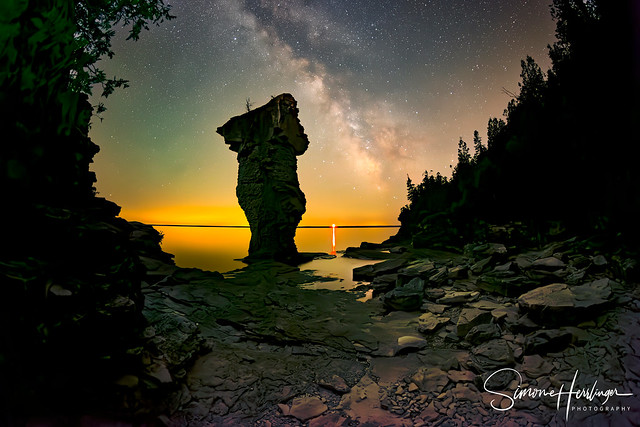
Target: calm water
(220, 248)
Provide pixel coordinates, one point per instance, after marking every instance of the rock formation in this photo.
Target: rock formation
(267, 141)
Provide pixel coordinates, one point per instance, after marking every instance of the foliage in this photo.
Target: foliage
(71, 278)
(555, 158)
(95, 20)
(48, 55)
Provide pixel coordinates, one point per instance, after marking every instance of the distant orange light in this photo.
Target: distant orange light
(333, 239)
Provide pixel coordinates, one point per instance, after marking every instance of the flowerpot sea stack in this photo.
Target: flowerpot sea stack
(267, 140)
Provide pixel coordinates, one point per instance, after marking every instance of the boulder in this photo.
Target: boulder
(481, 265)
(384, 283)
(409, 342)
(434, 294)
(439, 277)
(547, 340)
(459, 272)
(482, 333)
(267, 141)
(470, 317)
(492, 355)
(535, 366)
(335, 383)
(407, 297)
(599, 263)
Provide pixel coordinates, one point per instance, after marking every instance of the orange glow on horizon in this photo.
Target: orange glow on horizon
(187, 214)
(230, 215)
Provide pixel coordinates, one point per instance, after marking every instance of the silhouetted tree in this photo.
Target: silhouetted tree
(479, 148)
(533, 81)
(494, 128)
(50, 51)
(464, 157)
(555, 123)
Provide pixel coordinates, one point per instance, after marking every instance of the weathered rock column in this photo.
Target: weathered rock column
(267, 141)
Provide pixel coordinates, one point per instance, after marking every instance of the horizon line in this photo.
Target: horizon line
(300, 226)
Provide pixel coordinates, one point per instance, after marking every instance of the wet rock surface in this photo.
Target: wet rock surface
(254, 348)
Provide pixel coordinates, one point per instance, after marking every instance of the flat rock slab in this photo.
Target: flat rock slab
(429, 322)
(461, 376)
(370, 254)
(548, 263)
(434, 308)
(484, 304)
(391, 370)
(560, 301)
(458, 297)
(305, 408)
(421, 268)
(362, 404)
(505, 284)
(430, 379)
(369, 272)
(535, 366)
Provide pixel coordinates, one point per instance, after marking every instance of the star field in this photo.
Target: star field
(384, 89)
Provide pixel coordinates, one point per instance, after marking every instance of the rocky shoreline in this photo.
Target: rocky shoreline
(446, 339)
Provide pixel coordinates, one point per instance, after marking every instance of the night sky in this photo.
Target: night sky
(384, 88)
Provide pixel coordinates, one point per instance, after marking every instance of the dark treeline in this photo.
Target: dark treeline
(564, 155)
(70, 273)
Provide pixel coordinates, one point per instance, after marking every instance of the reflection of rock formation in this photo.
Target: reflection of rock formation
(267, 141)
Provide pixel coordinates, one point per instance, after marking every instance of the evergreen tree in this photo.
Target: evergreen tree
(494, 128)
(479, 148)
(555, 124)
(533, 81)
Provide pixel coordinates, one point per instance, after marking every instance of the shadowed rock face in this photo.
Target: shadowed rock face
(267, 141)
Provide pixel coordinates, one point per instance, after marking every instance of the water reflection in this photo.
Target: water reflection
(220, 249)
(333, 239)
(339, 268)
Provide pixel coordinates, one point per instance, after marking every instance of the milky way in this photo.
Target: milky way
(385, 90)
